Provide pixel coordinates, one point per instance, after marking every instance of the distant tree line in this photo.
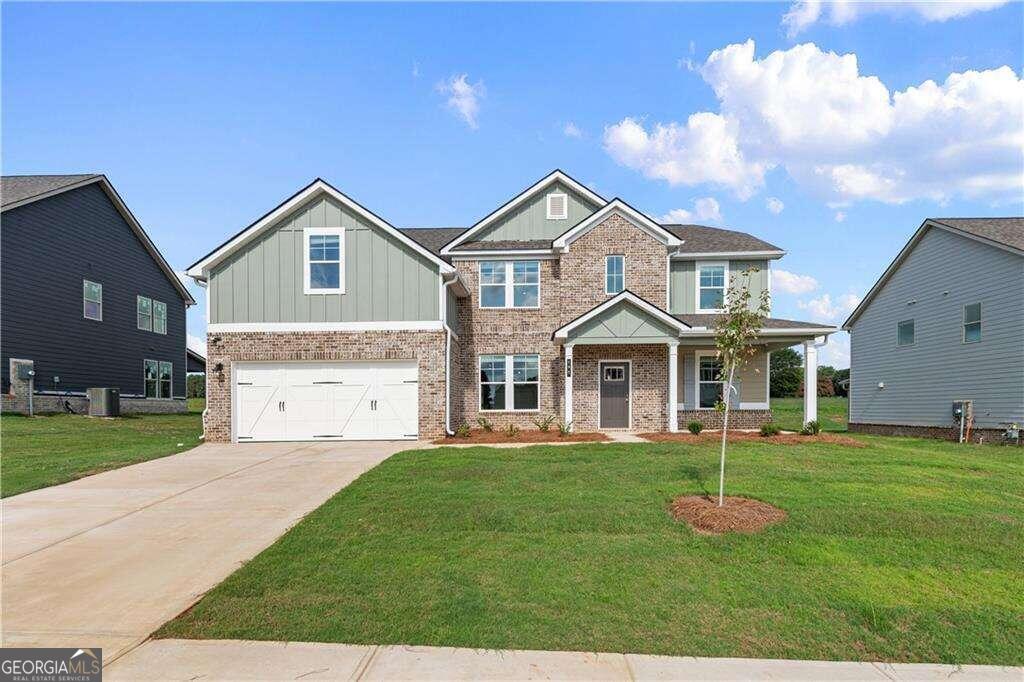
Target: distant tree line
(195, 386)
(787, 376)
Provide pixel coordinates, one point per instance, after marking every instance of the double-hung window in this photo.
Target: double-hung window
(92, 300)
(905, 333)
(144, 313)
(709, 381)
(614, 274)
(323, 260)
(509, 382)
(510, 284)
(157, 378)
(711, 283)
(972, 323)
(159, 317)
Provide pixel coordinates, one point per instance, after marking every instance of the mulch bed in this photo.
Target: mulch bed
(525, 436)
(738, 515)
(753, 436)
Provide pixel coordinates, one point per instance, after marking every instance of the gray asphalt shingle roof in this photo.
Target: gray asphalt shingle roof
(1008, 231)
(15, 188)
(708, 320)
(704, 239)
(432, 238)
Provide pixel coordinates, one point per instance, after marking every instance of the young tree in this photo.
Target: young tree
(735, 333)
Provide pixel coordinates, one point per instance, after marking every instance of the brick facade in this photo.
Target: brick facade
(227, 347)
(738, 419)
(648, 385)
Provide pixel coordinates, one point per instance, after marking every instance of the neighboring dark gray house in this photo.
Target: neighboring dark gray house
(87, 299)
(944, 323)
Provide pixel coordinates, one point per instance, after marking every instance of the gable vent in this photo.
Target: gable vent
(558, 207)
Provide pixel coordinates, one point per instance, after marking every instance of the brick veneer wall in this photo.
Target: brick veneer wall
(426, 347)
(738, 419)
(649, 389)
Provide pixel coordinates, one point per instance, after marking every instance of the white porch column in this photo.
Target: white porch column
(567, 375)
(673, 388)
(810, 380)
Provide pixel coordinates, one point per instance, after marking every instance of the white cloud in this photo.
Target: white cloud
(840, 216)
(839, 133)
(464, 97)
(705, 209)
(572, 130)
(835, 353)
(806, 13)
(196, 343)
(415, 69)
(824, 308)
(792, 283)
(774, 205)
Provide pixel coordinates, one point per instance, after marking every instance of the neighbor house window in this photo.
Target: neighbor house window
(558, 206)
(144, 310)
(614, 274)
(324, 264)
(159, 317)
(166, 371)
(157, 377)
(709, 380)
(905, 333)
(711, 279)
(509, 382)
(92, 300)
(510, 284)
(972, 323)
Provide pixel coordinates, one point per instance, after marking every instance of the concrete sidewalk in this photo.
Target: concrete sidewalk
(171, 659)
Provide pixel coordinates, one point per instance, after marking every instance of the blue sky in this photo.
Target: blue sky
(813, 126)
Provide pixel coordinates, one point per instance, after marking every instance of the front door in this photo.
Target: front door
(614, 406)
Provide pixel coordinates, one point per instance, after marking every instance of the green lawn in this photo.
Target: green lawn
(906, 550)
(42, 451)
(789, 413)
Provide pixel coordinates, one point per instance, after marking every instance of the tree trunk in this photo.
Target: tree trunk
(727, 396)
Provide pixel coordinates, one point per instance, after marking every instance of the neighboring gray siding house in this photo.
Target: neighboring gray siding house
(327, 322)
(944, 323)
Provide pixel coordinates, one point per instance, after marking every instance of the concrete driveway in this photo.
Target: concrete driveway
(105, 560)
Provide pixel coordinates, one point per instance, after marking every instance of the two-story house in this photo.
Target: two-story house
(88, 301)
(944, 324)
(327, 322)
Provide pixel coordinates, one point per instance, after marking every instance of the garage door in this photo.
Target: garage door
(326, 400)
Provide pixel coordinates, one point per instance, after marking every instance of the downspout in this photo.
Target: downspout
(448, 382)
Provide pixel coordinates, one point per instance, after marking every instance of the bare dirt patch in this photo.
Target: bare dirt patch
(737, 515)
(526, 436)
(753, 436)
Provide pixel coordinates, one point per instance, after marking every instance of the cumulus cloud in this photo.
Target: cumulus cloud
(840, 216)
(801, 15)
(774, 205)
(792, 283)
(824, 308)
(837, 132)
(705, 209)
(835, 353)
(463, 97)
(196, 343)
(572, 130)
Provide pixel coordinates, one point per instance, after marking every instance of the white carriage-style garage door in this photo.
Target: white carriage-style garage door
(372, 400)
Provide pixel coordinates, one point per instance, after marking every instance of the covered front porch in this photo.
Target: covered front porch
(630, 365)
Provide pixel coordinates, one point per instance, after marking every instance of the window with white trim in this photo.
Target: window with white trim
(323, 260)
(509, 383)
(159, 317)
(557, 206)
(711, 283)
(905, 333)
(709, 381)
(144, 313)
(157, 378)
(510, 284)
(614, 274)
(972, 323)
(92, 300)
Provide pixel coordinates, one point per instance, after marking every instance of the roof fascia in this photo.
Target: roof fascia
(728, 254)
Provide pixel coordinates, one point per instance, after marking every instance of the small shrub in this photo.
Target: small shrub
(695, 427)
(511, 430)
(462, 431)
(811, 428)
(544, 423)
(485, 424)
(564, 429)
(770, 429)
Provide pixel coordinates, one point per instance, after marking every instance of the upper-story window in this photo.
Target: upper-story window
(614, 274)
(711, 282)
(510, 284)
(972, 323)
(92, 300)
(144, 313)
(159, 317)
(905, 333)
(558, 206)
(324, 260)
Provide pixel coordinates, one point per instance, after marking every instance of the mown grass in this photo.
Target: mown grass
(789, 413)
(906, 550)
(46, 450)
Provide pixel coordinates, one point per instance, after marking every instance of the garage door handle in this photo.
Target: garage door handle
(328, 382)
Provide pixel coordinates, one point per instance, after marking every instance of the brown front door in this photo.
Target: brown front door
(614, 395)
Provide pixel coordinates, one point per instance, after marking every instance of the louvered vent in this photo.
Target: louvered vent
(558, 207)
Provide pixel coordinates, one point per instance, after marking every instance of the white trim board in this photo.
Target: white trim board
(770, 255)
(628, 213)
(400, 326)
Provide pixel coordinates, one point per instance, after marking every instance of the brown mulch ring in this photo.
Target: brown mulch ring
(525, 436)
(753, 436)
(737, 515)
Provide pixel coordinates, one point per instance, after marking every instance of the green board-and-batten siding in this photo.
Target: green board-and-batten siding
(683, 283)
(623, 323)
(529, 220)
(385, 280)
